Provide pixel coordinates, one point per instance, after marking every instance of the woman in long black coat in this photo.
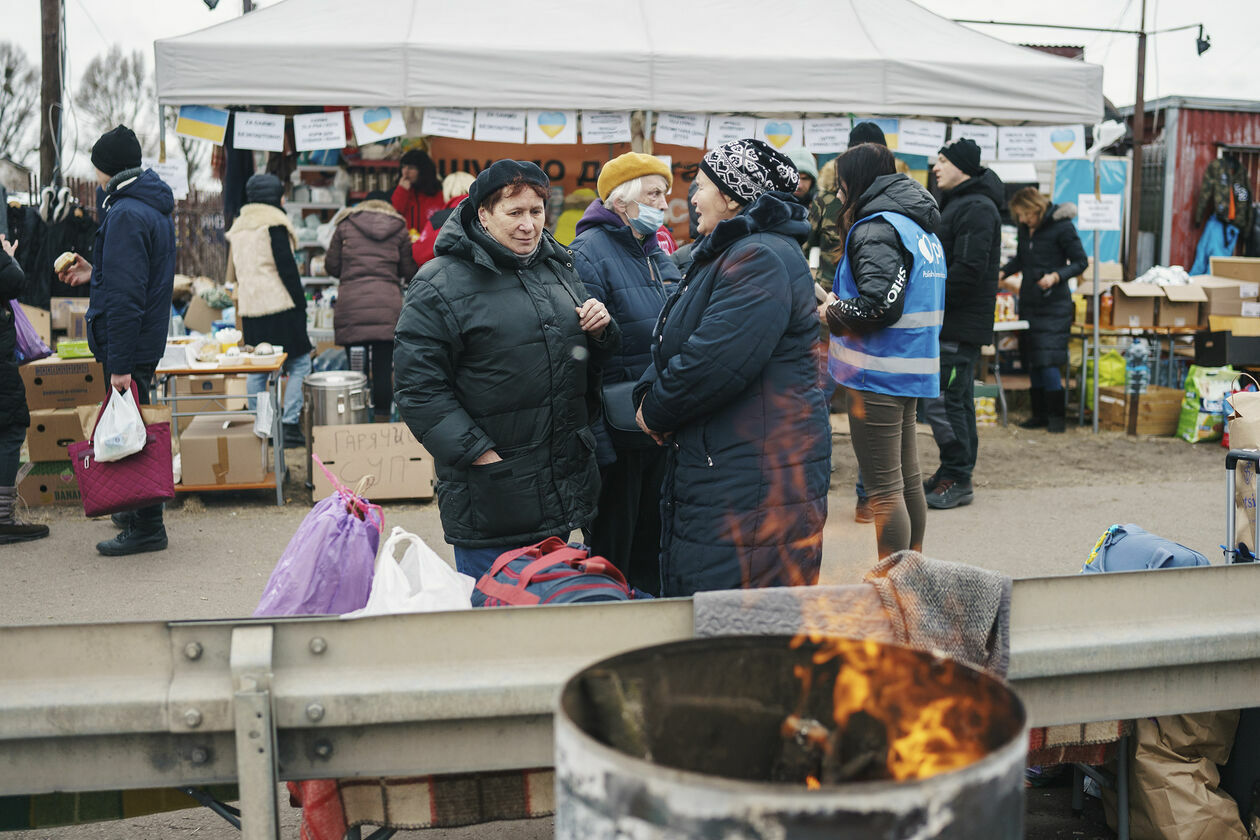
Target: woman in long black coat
(1049, 254)
(732, 389)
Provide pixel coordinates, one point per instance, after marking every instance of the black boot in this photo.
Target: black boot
(13, 529)
(123, 521)
(1055, 412)
(1038, 419)
(147, 533)
(293, 436)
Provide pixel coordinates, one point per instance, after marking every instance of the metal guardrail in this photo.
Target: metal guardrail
(115, 706)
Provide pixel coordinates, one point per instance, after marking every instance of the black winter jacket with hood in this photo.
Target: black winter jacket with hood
(734, 379)
(876, 256)
(489, 354)
(12, 392)
(971, 234)
(1054, 246)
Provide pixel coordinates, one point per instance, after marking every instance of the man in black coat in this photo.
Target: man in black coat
(971, 235)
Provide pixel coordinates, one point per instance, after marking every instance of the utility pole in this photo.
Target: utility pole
(1139, 138)
(247, 6)
(50, 93)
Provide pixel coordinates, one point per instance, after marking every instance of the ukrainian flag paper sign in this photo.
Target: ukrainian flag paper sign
(202, 122)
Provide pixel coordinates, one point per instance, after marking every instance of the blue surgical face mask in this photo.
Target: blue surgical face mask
(649, 219)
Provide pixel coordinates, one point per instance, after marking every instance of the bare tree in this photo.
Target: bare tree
(19, 103)
(115, 89)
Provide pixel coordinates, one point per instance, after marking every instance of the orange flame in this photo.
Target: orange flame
(812, 783)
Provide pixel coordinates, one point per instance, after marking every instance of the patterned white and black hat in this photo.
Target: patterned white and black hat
(748, 169)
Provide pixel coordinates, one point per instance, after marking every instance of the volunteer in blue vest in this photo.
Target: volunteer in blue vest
(885, 313)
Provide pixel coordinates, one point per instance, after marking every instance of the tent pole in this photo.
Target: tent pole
(1097, 291)
(647, 131)
(161, 134)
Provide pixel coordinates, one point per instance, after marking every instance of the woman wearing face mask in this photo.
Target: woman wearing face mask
(732, 390)
(496, 358)
(618, 257)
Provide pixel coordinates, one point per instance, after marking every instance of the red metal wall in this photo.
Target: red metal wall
(1198, 132)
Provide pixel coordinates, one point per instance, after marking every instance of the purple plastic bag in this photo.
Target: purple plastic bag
(29, 345)
(327, 567)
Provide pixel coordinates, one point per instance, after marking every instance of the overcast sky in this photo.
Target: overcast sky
(1230, 69)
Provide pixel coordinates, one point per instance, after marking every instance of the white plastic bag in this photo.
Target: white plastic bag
(264, 415)
(121, 431)
(420, 582)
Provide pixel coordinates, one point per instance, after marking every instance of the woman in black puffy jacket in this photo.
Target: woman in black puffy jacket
(1049, 254)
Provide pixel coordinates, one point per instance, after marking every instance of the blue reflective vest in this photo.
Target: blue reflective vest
(902, 359)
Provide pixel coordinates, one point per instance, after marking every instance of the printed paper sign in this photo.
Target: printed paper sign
(1098, 213)
(827, 136)
(782, 134)
(552, 127)
(500, 126)
(202, 122)
(1062, 141)
(174, 173)
(1018, 142)
(724, 129)
(605, 126)
(681, 129)
(1250, 309)
(372, 125)
(315, 132)
(985, 136)
(263, 132)
(448, 122)
(920, 137)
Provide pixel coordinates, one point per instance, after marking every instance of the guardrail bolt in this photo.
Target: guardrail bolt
(315, 712)
(318, 645)
(193, 650)
(199, 755)
(323, 749)
(192, 717)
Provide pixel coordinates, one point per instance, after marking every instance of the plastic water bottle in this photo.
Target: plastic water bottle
(1136, 372)
(176, 326)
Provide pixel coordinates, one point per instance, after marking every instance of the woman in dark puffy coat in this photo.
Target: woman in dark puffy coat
(885, 313)
(14, 418)
(498, 352)
(732, 391)
(618, 257)
(370, 254)
(1049, 254)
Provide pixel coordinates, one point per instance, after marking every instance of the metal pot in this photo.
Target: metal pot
(333, 398)
(687, 740)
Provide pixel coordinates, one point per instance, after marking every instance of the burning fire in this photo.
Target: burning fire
(812, 783)
(891, 720)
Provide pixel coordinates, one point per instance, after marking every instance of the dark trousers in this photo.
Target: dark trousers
(11, 438)
(882, 432)
(378, 364)
(147, 518)
(627, 528)
(952, 415)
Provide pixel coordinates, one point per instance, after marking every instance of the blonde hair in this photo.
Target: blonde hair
(457, 183)
(1030, 199)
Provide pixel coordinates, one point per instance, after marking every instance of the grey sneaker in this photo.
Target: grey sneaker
(950, 494)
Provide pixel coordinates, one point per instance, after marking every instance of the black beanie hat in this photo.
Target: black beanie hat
(965, 154)
(117, 150)
(504, 172)
(748, 169)
(866, 132)
(264, 189)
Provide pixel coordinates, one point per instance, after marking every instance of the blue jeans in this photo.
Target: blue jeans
(1047, 378)
(475, 562)
(296, 368)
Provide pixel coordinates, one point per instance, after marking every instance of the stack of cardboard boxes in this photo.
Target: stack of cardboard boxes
(55, 388)
(1233, 313)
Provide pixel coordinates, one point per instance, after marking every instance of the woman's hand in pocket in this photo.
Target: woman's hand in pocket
(487, 457)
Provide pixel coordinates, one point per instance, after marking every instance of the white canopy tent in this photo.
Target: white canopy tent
(886, 57)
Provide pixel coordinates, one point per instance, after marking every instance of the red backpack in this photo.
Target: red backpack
(551, 572)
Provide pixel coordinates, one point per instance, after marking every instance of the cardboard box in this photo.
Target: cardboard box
(1235, 325)
(62, 308)
(49, 483)
(1246, 269)
(1111, 272)
(1155, 411)
(77, 327)
(222, 450)
(51, 431)
(200, 316)
(62, 383)
(401, 466)
(41, 320)
(228, 388)
(1135, 304)
(1181, 306)
(1217, 348)
(1223, 296)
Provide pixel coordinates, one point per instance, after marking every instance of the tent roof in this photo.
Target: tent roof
(888, 57)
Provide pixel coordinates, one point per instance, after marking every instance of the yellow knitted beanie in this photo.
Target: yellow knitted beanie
(630, 165)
